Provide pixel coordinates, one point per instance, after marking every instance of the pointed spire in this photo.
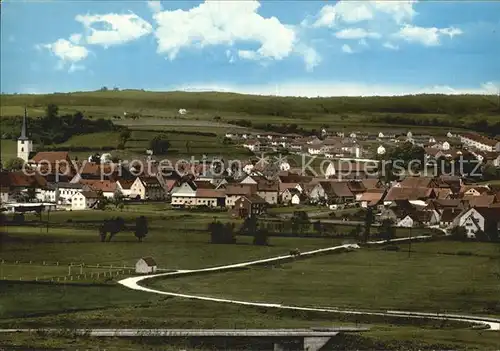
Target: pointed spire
(24, 130)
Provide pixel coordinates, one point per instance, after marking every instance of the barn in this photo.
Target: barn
(146, 265)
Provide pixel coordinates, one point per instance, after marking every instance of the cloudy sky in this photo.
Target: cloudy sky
(305, 48)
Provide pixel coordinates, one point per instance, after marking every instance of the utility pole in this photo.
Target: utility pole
(409, 244)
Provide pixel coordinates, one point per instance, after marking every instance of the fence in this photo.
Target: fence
(76, 271)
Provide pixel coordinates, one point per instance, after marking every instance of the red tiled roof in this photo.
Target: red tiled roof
(204, 185)
(481, 139)
(100, 185)
(19, 179)
(126, 183)
(396, 193)
(240, 189)
(480, 201)
(210, 193)
(51, 156)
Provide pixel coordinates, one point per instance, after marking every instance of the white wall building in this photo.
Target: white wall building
(146, 265)
(84, 200)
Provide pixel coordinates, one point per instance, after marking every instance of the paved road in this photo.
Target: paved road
(320, 332)
(132, 283)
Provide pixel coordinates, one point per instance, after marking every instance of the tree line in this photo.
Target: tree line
(111, 227)
(53, 128)
(455, 105)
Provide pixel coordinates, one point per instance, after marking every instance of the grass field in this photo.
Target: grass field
(367, 279)
(172, 249)
(8, 149)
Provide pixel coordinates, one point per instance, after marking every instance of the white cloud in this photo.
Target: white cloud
(390, 46)
(74, 67)
(75, 38)
(375, 19)
(310, 55)
(427, 36)
(224, 23)
(347, 49)
(248, 55)
(120, 28)
(314, 89)
(356, 33)
(155, 5)
(67, 51)
(359, 11)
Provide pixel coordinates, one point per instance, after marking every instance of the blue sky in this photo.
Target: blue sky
(306, 48)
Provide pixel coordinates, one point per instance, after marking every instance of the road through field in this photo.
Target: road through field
(133, 283)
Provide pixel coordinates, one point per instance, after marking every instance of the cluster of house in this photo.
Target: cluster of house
(413, 201)
(251, 187)
(363, 145)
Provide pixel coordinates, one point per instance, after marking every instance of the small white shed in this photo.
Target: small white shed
(145, 265)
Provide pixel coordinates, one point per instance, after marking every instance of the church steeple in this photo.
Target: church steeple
(24, 130)
(24, 144)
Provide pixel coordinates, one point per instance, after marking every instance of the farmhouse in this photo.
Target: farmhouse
(147, 188)
(249, 206)
(84, 200)
(146, 265)
(475, 220)
(52, 164)
(106, 187)
(210, 198)
(371, 198)
(125, 187)
(235, 191)
(184, 194)
(60, 192)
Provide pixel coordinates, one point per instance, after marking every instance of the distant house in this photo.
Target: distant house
(295, 198)
(480, 219)
(147, 188)
(184, 194)
(252, 145)
(125, 187)
(19, 182)
(381, 150)
(372, 198)
(416, 218)
(60, 192)
(146, 265)
(235, 191)
(210, 197)
(448, 217)
(57, 165)
(249, 206)
(84, 200)
(106, 187)
(337, 192)
(268, 190)
(480, 142)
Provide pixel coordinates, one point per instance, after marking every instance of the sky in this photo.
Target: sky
(295, 48)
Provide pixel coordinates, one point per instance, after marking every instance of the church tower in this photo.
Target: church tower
(24, 144)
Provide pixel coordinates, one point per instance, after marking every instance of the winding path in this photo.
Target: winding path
(133, 283)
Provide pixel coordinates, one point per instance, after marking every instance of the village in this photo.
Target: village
(351, 178)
